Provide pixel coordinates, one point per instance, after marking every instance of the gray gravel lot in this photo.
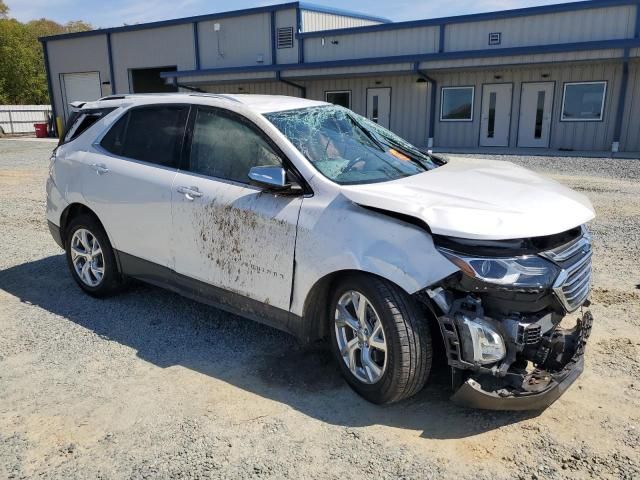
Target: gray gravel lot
(151, 385)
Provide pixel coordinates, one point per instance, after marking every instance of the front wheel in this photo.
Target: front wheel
(379, 338)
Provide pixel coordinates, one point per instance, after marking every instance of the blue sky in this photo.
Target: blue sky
(109, 13)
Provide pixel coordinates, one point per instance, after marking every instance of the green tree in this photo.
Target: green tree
(22, 74)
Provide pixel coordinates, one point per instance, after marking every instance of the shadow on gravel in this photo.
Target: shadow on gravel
(166, 329)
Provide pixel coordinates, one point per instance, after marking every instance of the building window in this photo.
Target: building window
(495, 38)
(285, 37)
(456, 104)
(583, 101)
(339, 97)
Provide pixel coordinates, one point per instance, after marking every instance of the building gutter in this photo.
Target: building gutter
(47, 69)
(432, 101)
(617, 129)
(302, 88)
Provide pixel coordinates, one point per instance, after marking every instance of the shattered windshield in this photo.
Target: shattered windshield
(348, 148)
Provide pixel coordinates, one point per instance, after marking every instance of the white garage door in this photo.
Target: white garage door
(83, 86)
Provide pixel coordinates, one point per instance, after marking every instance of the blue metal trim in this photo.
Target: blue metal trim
(47, 70)
(338, 11)
(274, 54)
(637, 20)
(617, 129)
(499, 52)
(500, 15)
(299, 40)
(441, 38)
(196, 46)
(112, 77)
(176, 21)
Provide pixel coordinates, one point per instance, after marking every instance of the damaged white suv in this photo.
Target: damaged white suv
(312, 219)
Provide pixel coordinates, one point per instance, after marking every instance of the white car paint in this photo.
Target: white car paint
(465, 198)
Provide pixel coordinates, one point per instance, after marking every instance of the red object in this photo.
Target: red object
(41, 130)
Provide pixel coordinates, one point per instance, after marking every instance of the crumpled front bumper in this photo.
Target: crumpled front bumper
(477, 392)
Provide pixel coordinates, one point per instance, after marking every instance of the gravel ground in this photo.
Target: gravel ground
(151, 385)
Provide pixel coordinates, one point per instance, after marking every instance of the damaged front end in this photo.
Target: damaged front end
(500, 318)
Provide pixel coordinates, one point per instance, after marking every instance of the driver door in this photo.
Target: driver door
(226, 232)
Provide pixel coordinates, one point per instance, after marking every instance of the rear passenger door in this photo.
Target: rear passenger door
(128, 179)
(228, 233)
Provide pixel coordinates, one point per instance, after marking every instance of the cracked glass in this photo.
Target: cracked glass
(349, 149)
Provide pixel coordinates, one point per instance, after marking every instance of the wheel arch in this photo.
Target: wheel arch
(76, 209)
(316, 315)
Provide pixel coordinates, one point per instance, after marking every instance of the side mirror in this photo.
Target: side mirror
(273, 178)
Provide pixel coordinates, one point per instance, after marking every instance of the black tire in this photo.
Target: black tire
(408, 339)
(111, 280)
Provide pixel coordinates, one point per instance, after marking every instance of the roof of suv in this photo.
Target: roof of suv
(257, 103)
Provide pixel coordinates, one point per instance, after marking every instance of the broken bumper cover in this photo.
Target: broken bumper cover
(473, 394)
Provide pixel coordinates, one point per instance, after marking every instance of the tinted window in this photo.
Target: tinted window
(80, 121)
(225, 146)
(150, 134)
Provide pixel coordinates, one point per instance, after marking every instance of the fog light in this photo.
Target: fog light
(481, 343)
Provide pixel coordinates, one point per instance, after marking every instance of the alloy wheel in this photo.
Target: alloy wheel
(87, 257)
(360, 337)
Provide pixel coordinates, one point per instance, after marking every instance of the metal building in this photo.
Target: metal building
(555, 77)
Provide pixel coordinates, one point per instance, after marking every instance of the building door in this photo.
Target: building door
(379, 105)
(496, 115)
(84, 86)
(536, 104)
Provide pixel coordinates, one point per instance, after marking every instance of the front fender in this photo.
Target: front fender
(339, 235)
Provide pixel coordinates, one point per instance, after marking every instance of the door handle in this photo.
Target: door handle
(190, 193)
(100, 168)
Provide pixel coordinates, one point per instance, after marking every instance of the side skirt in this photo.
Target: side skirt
(202, 292)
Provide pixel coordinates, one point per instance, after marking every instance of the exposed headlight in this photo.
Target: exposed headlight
(480, 342)
(528, 271)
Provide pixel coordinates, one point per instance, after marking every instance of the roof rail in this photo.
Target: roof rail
(216, 95)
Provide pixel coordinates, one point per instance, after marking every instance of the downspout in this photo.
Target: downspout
(432, 102)
(617, 129)
(303, 89)
(110, 55)
(47, 70)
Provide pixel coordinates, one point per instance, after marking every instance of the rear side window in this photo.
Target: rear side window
(151, 134)
(80, 121)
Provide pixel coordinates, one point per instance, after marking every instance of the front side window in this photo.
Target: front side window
(150, 134)
(342, 98)
(583, 101)
(456, 104)
(225, 146)
(347, 148)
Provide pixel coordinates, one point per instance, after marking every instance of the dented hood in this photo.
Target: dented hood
(480, 199)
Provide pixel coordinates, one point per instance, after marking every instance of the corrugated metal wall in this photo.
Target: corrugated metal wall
(373, 44)
(239, 41)
(578, 26)
(314, 21)
(287, 18)
(158, 47)
(630, 138)
(85, 54)
(569, 135)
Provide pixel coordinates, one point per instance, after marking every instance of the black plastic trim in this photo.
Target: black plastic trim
(231, 302)
(55, 233)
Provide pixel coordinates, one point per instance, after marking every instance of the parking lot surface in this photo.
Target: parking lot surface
(151, 385)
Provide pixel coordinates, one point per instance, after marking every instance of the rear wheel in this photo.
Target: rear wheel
(90, 257)
(379, 338)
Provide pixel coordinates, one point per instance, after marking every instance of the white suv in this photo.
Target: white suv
(312, 219)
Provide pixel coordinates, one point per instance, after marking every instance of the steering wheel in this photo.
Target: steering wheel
(351, 164)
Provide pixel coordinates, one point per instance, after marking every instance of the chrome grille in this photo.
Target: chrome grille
(574, 282)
